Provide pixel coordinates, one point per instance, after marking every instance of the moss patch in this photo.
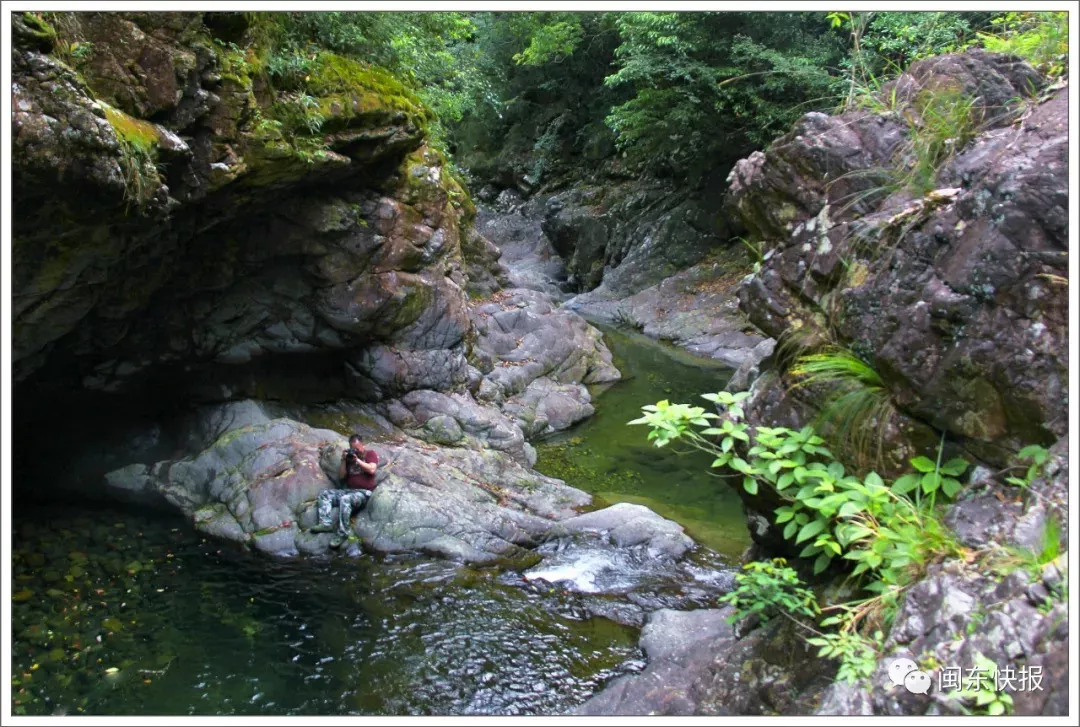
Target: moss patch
(142, 135)
(348, 89)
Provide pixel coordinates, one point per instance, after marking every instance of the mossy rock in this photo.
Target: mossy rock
(34, 27)
(348, 89)
(142, 135)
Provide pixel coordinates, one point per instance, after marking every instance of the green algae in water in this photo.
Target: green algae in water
(616, 463)
(204, 628)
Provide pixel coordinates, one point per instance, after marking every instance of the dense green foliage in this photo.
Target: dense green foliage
(1042, 39)
(670, 93)
(886, 535)
(704, 82)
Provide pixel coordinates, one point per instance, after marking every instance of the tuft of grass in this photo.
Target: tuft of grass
(1051, 541)
(858, 408)
(138, 155)
(836, 365)
(942, 123)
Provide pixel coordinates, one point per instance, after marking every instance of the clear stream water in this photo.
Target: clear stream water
(118, 611)
(616, 463)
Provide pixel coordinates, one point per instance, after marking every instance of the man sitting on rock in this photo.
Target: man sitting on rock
(358, 471)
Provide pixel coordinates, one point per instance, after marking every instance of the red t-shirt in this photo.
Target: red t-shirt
(363, 480)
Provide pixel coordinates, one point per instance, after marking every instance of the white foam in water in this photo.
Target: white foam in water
(581, 572)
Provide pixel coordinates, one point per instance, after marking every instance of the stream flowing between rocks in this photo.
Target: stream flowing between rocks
(119, 611)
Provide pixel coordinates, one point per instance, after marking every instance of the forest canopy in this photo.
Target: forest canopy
(663, 89)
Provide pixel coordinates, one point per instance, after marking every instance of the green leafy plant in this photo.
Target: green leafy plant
(1036, 457)
(769, 587)
(831, 513)
(703, 81)
(299, 113)
(858, 654)
(931, 475)
(552, 42)
(981, 695)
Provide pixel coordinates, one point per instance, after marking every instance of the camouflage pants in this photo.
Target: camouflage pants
(347, 502)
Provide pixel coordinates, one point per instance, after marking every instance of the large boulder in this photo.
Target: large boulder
(695, 309)
(842, 161)
(258, 485)
(957, 298)
(627, 236)
(521, 336)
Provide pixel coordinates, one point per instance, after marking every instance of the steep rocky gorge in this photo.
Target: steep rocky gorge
(954, 290)
(178, 245)
(208, 293)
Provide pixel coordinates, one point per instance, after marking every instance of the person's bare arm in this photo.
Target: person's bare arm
(369, 467)
(341, 469)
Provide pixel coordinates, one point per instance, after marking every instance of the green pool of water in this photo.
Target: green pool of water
(123, 612)
(129, 612)
(615, 462)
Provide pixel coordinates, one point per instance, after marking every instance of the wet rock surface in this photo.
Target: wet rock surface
(699, 665)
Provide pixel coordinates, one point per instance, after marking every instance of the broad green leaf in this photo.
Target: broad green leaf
(922, 464)
(750, 485)
(850, 508)
(809, 530)
(954, 466)
(821, 563)
(950, 486)
(1030, 451)
(906, 484)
